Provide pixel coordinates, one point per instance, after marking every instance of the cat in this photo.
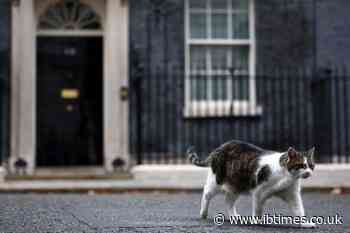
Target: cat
(238, 168)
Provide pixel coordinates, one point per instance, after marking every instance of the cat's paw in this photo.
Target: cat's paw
(308, 225)
(203, 214)
(234, 215)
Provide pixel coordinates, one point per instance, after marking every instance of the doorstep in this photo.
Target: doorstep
(71, 173)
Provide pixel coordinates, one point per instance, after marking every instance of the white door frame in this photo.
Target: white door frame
(114, 15)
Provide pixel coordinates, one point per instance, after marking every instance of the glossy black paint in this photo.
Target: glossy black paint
(69, 128)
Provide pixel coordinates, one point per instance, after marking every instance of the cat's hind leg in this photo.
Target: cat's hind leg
(211, 188)
(259, 198)
(230, 200)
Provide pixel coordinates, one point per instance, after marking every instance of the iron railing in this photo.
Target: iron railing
(273, 109)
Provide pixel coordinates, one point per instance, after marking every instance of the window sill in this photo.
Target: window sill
(208, 109)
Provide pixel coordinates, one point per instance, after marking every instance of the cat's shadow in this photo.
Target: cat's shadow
(286, 226)
(265, 226)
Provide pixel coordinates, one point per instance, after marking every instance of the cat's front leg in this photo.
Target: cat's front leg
(293, 198)
(297, 207)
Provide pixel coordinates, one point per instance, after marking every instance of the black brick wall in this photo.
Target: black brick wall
(333, 33)
(284, 33)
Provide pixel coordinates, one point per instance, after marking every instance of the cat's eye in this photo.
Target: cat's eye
(311, 166)
(299, 166)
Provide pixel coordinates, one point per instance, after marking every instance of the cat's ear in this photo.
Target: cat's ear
(310, 153)
(292, 153)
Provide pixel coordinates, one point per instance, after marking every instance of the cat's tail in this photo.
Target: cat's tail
(194, 159)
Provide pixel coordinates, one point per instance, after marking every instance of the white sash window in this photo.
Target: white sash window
(220, 58)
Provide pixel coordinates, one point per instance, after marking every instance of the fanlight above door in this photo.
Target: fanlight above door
(70, 15)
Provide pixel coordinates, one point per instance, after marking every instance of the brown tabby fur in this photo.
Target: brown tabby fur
(236, 163)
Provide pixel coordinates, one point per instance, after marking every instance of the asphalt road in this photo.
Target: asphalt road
(148, 213)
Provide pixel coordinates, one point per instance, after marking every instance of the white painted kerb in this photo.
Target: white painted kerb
(325, 175)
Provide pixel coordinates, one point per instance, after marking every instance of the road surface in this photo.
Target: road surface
(152, 212)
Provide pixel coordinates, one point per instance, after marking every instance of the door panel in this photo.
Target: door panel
(69, 101)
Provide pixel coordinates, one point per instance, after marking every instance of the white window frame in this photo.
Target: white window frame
(217, 108)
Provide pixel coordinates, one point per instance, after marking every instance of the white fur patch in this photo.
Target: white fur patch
(273, 161)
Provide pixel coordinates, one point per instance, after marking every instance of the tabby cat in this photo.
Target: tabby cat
(238, 168)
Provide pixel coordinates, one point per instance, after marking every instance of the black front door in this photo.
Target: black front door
(69, 101)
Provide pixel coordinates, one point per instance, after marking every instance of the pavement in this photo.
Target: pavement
(151, 212)
(168, 178)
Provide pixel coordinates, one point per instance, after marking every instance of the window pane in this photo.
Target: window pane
(219, 61)
(240, 59)
(216, 86)
(219, 87)
(240, 64)
(240, 25)
(198, 76)
(198, 4)
(240, 86)
(198, 58)
(240, 4)
(219, 4)
(219, 26)
(198, 88)
(219, 58)
(198, 25)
